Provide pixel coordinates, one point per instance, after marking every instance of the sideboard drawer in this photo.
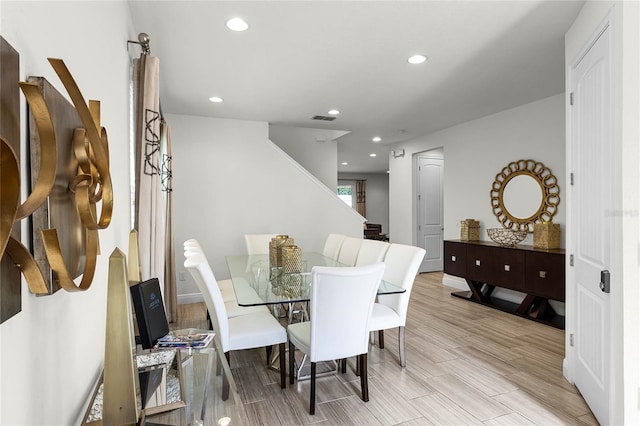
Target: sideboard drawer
(455, 259)
(510, 268)
(545, 275)
(482, 264)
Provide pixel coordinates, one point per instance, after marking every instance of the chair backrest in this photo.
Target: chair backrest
(258, 243)
(192, 247)
(192, 242)
(349, 250)
(208, 286)
(332, 246)
(402, 263)
(371, 251)
(341, 304)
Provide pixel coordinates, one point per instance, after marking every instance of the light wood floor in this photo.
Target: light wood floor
(466, 365)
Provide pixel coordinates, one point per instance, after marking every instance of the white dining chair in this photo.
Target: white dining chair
(249, 331)
(402, 263)
(192, 242)
(371, 251)
(349, 250)
(193, 248)
(258, 243)
(341, 304)
(230, 291)
(332, 246)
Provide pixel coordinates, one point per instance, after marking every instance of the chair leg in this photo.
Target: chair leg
(292, 351)
(218, 366)
(269, 350)
(372, 337)
(343, 365)
(358, 365)
(381, 339)
(225, 379)
(283, 370)
(403, 361)
(364, 383)
(312, 396)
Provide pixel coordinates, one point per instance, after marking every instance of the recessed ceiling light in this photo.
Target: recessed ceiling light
(417, 59)
(376, 139)
(216, 99)
(372, 155)
(237, 24)
(333, 112)
(345, 163)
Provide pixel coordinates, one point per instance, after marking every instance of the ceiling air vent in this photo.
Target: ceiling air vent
(323, 118)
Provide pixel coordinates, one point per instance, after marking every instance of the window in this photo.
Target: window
(345, 192)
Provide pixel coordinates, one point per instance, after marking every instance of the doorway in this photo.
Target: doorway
(430, 214)
(590, 243)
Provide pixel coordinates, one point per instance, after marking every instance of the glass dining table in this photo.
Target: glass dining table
(257, 283)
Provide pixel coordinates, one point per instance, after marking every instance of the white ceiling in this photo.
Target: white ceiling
(301, 58)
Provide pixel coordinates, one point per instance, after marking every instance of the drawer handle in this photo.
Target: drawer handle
(507, 268)
(542, 274)
(453, 258)
(477, 262)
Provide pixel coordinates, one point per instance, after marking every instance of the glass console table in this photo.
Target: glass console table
(182, 386)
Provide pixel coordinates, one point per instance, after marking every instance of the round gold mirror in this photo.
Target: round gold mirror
(524, 192)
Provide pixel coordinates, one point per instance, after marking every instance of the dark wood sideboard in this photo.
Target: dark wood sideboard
(538, 273)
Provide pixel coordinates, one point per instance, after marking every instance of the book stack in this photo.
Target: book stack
(198, 340)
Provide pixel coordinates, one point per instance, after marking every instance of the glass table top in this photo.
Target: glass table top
(256, 283)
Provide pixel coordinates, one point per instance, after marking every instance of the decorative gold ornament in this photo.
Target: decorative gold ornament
(275, 249)
(92, 185)
(291, 259)
(93, 182)
(12, 211)
(543, 204)
(120, 405)
(10, 178)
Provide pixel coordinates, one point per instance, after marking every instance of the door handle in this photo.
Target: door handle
(605, 281)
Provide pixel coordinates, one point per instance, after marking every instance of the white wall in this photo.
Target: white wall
(474, 152)
(231, 180)
(377, 193)
(51, 353)
(625, 295)
(315, 149)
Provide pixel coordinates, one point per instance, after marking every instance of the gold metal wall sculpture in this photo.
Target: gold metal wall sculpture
(90, 186)
(58, 211)
(544, 200)
(10, 286)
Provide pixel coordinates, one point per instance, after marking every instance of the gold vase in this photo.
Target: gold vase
(275, 249)
(291, 259)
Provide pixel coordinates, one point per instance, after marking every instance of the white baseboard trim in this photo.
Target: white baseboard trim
(190, 298)
(455, 282)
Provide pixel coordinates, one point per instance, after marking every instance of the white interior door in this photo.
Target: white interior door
(430, 212)
(591, 221)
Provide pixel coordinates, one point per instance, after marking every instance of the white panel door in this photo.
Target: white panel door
(592, 207)
(430, 212)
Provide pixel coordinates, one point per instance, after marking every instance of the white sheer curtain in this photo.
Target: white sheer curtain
(152, 171)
